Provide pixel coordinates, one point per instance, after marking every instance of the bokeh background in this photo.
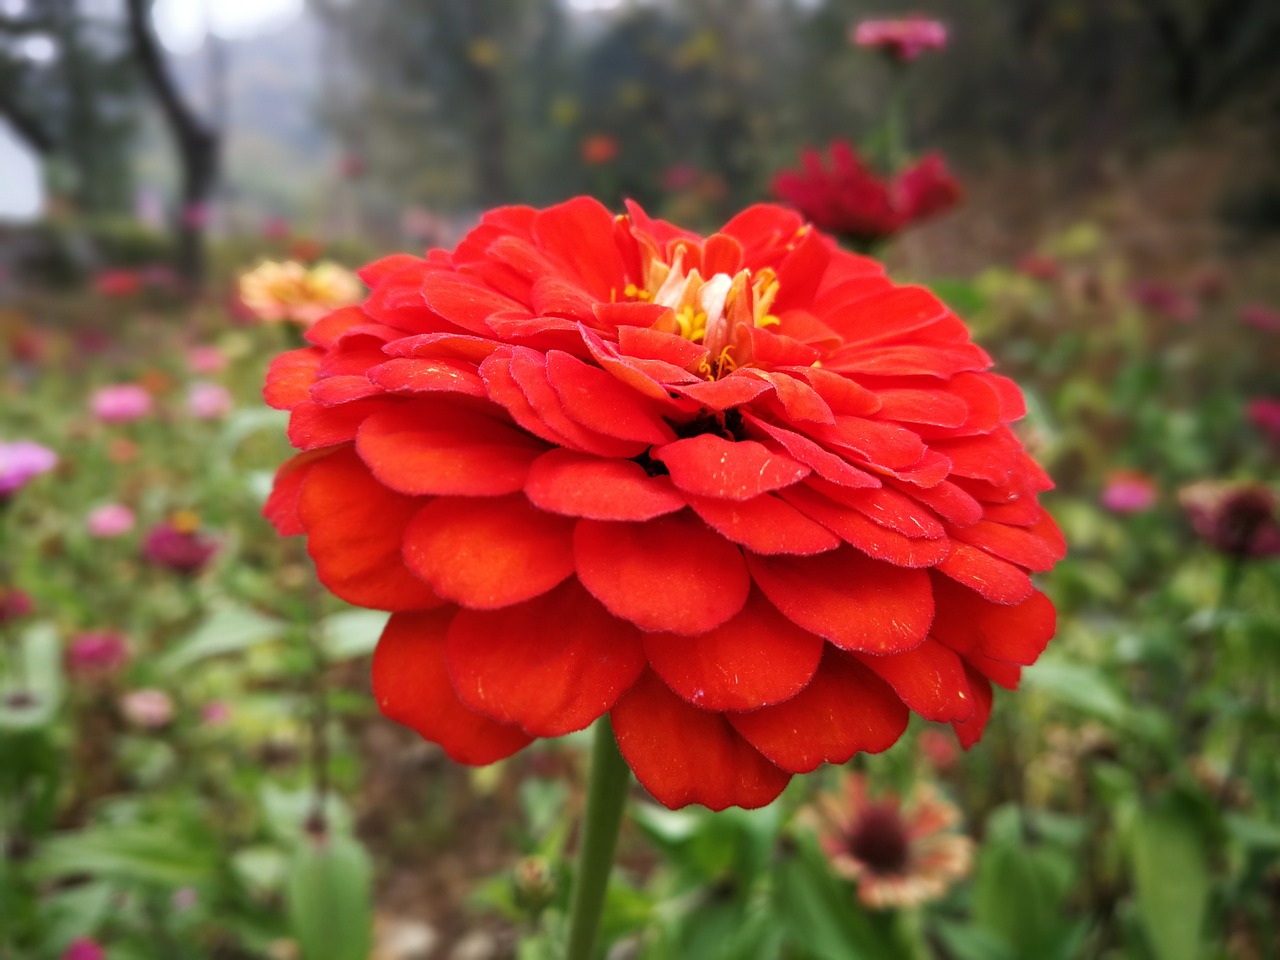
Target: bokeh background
(183, 712)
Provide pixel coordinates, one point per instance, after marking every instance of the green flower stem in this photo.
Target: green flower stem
(606, 796)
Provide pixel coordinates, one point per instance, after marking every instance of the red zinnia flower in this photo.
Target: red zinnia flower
(743, 493)
(850, 199)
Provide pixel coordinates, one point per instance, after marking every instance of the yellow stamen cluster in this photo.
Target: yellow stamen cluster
(717, 311)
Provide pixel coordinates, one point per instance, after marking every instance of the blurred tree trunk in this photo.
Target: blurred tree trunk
(197, 145)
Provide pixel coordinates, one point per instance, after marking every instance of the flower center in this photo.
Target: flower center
(879, 839)
(718, 311)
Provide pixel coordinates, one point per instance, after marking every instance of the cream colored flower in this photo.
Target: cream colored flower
(289, 291)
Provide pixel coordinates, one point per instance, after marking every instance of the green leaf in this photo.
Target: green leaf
(1250, 832)
(821, 914)
(351, 633)
(162, 854)
(1171, 877)
(229, 629)
(330, 898)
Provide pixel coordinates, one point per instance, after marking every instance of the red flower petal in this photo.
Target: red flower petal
(332, 391)
(580, 485)
(428, 375)
(930, 679)
(868, 536)
(758, 657)
(466, 302)
(411, 685)
(823, 462)
(281, 508)
(967, 623)
(711, 466)
(488, 553)
(602, 403)
(684, 755)
(998, 581)
(290, 376)
(552, 665)
(855, 602)
(765, 524)
(354, 527)
(441, 448)
(564, 231)
(969, 731)
(671, 573)
(846, 709)
(312, 426)
(1016, 544)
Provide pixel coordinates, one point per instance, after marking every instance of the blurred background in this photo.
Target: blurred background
(185, 715)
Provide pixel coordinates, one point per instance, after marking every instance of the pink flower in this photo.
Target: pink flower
(1265, 414)
(147, 708)
(96, 653)
(21, 462)
(1164, 299)
(110, 520)
(903, 39)
(206, 360)
(939, 748)
(215, 713)
(209, 401)
(83, 949)
(120, 403)
(1128, 491)
(1262, 317)
(899, 855)
(178, 545)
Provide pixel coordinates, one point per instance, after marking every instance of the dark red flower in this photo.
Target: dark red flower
(178, 545)
(851, 200)
(742, 493)
(14, 603)
(117, 283)
(1238, 519)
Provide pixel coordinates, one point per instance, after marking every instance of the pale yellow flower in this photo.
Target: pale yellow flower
(291, 292)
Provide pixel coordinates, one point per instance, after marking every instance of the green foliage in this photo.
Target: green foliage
(330, 898)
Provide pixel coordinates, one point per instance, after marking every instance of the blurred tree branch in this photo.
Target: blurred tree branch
(25, 123)
(197, 143)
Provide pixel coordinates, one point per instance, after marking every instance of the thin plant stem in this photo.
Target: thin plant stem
(606, 795)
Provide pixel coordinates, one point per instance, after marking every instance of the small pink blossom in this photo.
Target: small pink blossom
(1265, 414)
(206, 360)
(903, 39)
(96, 653)
(1128, 491)
(939, 748)
(147, 708)
(215, 713)
(110, 520)
(120, 403)
(21, 462)
(209, 401)
(1261, 316)
(83, 949)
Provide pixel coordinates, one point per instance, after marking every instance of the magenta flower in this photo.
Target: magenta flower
(83, 949)
(209, 401)
(110, 520)
(1265, 414)
(178, 545)
(903, 39)
(120, 403)
(1238, 519)
(96, 653)
(14, 603)
(21, 462)
(1128, 491)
